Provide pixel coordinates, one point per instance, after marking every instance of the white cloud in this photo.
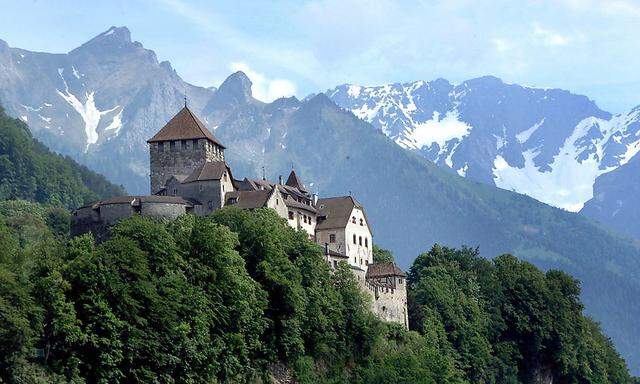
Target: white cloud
(501, 45)
(264, 88)
(549, 37)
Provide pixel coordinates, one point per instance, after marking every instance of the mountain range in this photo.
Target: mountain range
(547, 143)
(100, 103)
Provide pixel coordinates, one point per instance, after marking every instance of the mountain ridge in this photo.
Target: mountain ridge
(518, 138)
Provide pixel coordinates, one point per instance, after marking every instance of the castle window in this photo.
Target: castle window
(183, 144)
(354, 238)
(366, 262)
(361, 222)
(332, 238)
(194, 144)
(290, 215)
(172, 146)
(353, 219)
(161, 146)
(366, 242)
(360, 240)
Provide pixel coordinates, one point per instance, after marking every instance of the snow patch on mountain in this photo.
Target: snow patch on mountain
(437, 130)
(524, 136)
(569, 183)
(89, 112)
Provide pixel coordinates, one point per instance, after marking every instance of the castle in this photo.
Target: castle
(189, 175)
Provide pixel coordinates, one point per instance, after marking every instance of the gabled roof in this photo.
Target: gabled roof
(210, 170)
(336, 211)
(383, 270)
(184, 126)
(295, 182)
(248, 199)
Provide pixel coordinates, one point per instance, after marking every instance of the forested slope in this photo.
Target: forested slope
(30, 171)
(230, 297)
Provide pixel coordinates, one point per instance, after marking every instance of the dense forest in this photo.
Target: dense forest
(239, 296)
(30, 171)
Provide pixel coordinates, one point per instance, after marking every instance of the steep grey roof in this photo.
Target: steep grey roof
(291, 203)
(383, 270)
(184, 126)
(336, 211)
(211, 170)
(295, 182)
(248, 199)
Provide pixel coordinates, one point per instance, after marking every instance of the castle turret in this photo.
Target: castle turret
(182, 145)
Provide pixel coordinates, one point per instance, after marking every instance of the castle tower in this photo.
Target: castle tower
(182, 145)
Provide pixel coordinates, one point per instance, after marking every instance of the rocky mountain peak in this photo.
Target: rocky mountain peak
(236, 85)
(113, 39)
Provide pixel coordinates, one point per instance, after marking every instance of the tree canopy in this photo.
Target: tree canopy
(235, 295)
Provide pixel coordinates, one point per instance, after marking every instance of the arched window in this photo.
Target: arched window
(360, 240)
(361, 222)
(353, 219)
(366, 242)
(354, 238)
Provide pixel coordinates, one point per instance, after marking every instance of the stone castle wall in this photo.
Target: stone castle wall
(390, 304)
(98, 220)
(180, 157)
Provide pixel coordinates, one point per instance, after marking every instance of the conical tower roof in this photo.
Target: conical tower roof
(295, 182)
(184, 126)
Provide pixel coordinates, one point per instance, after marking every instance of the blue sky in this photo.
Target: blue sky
(586, 46)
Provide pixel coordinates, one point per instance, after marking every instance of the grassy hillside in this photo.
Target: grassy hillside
(29, 171)
(413, 204)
